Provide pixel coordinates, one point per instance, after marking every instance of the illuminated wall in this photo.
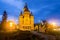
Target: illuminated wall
(26, 20)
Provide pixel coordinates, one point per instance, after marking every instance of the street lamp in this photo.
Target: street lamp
(53, 23)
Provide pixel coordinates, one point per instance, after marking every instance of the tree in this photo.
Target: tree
(44, 24)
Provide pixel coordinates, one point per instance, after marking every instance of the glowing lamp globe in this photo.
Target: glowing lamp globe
(11, 26)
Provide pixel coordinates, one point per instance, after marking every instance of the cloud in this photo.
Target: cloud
(12, 18)
(44, 9)
(0, 16)
(19, 4)
(40, 8)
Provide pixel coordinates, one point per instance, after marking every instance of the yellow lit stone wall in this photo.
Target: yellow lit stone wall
(32, 22)
(20, 21)
(26, 21)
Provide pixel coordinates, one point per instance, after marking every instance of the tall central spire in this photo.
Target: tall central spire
(25, 7)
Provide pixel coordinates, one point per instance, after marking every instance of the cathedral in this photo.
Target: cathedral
(26, 20)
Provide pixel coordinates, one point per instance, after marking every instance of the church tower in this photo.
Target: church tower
(4, 20)
(26, 20)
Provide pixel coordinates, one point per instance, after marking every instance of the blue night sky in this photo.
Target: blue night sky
(41, 9)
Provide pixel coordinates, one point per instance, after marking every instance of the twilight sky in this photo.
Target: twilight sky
(41, 9)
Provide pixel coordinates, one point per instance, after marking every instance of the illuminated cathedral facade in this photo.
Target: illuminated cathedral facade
(26, 20)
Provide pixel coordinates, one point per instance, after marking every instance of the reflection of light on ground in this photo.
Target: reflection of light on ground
(57, 29)
(54, 29)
